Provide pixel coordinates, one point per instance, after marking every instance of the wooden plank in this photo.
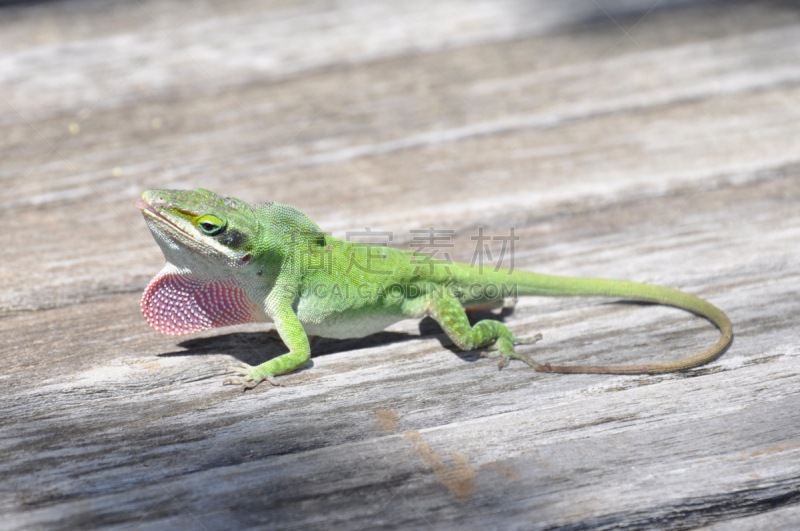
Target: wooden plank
(667, 154)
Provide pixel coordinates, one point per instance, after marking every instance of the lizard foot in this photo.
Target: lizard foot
(250, 378)
(527, 340)
(505, 351)
(506, 357)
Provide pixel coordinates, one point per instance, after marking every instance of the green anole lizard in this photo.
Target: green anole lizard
(231, 263)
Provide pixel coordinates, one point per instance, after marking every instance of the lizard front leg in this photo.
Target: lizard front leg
(294, 336)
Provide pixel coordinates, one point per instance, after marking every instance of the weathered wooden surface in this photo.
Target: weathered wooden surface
(661, 146)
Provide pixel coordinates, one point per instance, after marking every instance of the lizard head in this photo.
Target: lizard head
(199, 225)
(208, 241)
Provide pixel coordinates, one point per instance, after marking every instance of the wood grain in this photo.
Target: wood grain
(619, 139)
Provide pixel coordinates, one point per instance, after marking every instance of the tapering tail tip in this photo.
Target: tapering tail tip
(602, 369)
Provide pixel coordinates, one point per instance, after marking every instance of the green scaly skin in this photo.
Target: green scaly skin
(308, 282)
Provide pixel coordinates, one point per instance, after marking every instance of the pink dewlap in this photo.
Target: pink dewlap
(178, 304)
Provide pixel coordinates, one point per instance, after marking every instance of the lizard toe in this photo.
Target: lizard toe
(527, 340)
(504, 359)
(250, 377)
(244, 369)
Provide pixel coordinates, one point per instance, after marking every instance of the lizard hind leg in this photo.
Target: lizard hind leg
(450, 315)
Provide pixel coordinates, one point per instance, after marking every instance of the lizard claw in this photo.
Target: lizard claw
(249, 377)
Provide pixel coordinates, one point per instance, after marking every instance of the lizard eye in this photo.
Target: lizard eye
(211, 225)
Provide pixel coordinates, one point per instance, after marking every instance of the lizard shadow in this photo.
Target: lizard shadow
(254, 348)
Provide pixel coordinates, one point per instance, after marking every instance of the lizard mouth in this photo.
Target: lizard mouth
(149, 211)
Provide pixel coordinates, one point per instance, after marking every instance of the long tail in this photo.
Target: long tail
(556, 286)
